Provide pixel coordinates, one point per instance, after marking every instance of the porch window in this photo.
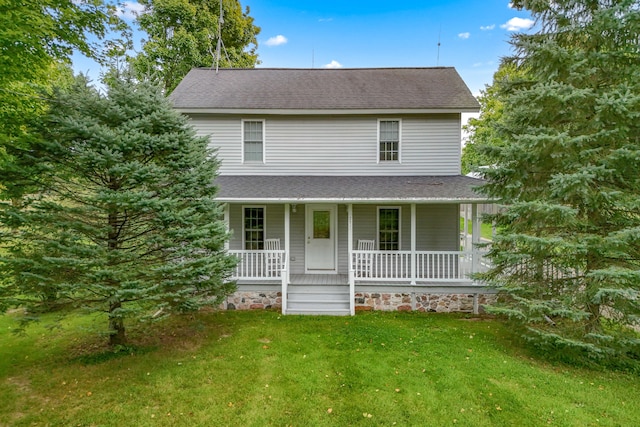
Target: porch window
(253, 227)
(253, 140)
(389, 228)
(389, 140)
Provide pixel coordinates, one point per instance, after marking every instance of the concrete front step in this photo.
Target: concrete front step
(319, 312)
(317, 304)
(318, 299)
(318, 288)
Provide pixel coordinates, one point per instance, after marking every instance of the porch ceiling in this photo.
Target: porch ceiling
(347, 189)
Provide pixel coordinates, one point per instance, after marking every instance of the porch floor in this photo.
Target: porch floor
(343, 280)
(319, 279)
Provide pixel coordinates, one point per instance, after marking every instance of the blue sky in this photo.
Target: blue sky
(354, 33)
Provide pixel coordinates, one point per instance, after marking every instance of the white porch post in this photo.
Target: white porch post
(475, 236)
(465, 227)
(413, 243)
(352, 278)
(285, 271)
(226, 216)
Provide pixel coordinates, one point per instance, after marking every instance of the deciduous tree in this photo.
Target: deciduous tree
(37, 38)
(484, 130)
(183, 34)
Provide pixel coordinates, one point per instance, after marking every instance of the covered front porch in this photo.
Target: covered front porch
(333, 252)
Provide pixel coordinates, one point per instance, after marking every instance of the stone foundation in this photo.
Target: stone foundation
(368, 301)
(437, 303)
(254, 301)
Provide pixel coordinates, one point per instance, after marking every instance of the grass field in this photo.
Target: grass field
(261, 368)
(485, 229)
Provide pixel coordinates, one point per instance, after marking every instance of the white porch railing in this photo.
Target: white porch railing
(433, 266)
(259, 264)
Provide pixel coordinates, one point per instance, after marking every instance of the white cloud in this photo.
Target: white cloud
(325, 19)
(517, 24)
(333, 64)
(488, 27)
(276, 41)
(510, 5)
(464, 35)
(130, 10)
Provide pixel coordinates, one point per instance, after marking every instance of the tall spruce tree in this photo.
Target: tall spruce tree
(126, 222)
(567, 259)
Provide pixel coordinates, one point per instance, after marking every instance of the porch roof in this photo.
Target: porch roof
(349, 189)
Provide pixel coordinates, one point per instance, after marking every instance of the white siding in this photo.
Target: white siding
(437, 226)
(430, 145)
(274, 227)
(297, 236)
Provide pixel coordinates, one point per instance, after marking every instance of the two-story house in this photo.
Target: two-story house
(342, 187)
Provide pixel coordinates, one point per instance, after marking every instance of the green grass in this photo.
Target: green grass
(485, 229)
(261, 368)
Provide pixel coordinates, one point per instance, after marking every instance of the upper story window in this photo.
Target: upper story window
(389, 228)
(253, 140)
(388, 140)
(254, 227)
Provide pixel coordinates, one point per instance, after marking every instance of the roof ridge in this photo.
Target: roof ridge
(325, 69)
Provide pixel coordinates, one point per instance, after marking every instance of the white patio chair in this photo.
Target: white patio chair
(272, 259)
(365, 261)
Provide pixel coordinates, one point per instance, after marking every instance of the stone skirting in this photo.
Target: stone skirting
(432, 302)
(367, 301)
(252, 300)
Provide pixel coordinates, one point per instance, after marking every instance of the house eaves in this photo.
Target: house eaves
(309, 112)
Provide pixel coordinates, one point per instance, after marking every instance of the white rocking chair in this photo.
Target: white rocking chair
(365, 262)
(272, 259)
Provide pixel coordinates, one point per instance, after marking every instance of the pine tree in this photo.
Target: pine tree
(126, 222)
(567, 259)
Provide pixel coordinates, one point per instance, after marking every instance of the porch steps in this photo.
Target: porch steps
(331, 300)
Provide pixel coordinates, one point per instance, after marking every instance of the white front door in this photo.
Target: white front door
(321, 238)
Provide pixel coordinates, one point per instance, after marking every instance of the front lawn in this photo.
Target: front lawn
(486, 231)
(260, 368)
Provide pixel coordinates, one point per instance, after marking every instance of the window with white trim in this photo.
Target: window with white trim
(388, 140)
(253, 140)
(389, 228)
(253, 227)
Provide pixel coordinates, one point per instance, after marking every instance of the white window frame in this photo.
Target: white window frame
(399, 141)
(264, 141)
(399, 208)
(264, 230)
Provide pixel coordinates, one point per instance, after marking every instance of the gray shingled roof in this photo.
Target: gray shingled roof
(425, 189)
(437, 88)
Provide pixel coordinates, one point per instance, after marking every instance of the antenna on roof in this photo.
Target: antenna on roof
(219, 44)
(438, 57)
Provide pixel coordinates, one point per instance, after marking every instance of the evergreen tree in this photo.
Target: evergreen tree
(126, 221)
(183, 34)
(567, 259)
